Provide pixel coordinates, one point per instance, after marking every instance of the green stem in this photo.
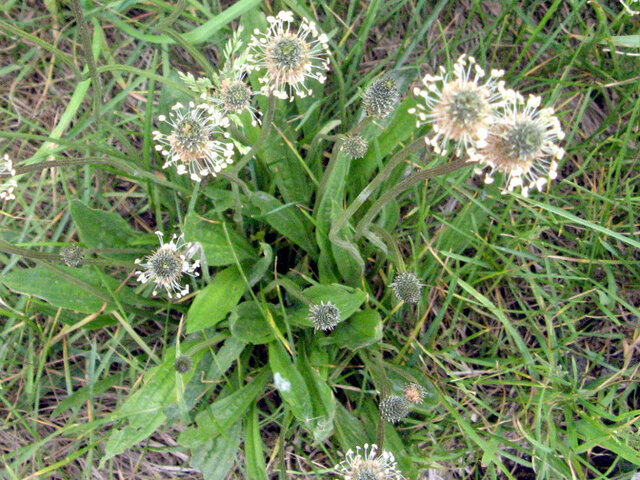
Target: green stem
(118, 250)
(146, 175)
(238, 135)
(35, 255)
(402, 186)
(232, 178)
(118, 161)
(58, 163)
(337, 71)
(381, 433)
(85, 37)
(25, 252)
(237, 213)
(207, 343)
(8, 28)
(336, 227)
(290, 286)
(172, 17)
(373, 361)
(288, 417)
(373, 186)
(394, 251)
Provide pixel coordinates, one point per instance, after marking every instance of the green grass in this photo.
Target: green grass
(527, 335)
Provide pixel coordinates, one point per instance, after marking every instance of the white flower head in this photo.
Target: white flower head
(522, 143)
(368, 465)
(289, 57)
(459, 105)
(7, 185)
(166, 265)
(193, 143)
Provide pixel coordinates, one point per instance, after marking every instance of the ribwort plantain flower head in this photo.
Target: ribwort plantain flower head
(414, 393)
(355, 145)
(288, 57)
(459, 105)
(168, 263)
(380, 98)
(325, 316)
(72, 256)
(522, 144)
(394, 408)
(407, 287)
(366, 464)
(183, 364)
(235, 95)
(193, 143)
(7, 184)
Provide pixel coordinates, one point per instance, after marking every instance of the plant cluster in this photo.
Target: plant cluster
(274, 255)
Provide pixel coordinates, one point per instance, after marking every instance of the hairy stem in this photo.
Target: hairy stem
(35, 255)
(267, 125)
(392, 245)
(373, 186)
(337, 226)
(26, 252)
(58, 163)
(401, 187)
(114, 162)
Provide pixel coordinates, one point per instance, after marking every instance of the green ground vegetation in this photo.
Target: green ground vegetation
(526, 338)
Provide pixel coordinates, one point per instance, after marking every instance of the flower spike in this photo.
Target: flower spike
(459, 105)
(522, 144)
(191, 145)
(369, 465)
(166, 265)
(288, 57)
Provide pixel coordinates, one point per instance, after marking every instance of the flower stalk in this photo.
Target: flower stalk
(362, 227)
(339, 224)
(71, 162)
(35, 255)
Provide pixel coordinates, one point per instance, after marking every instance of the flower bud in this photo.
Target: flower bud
(183, 364)
(325, 316)
(72, 256)
(407, 287)
(380, 98)
(355, 146)
(394, 408)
